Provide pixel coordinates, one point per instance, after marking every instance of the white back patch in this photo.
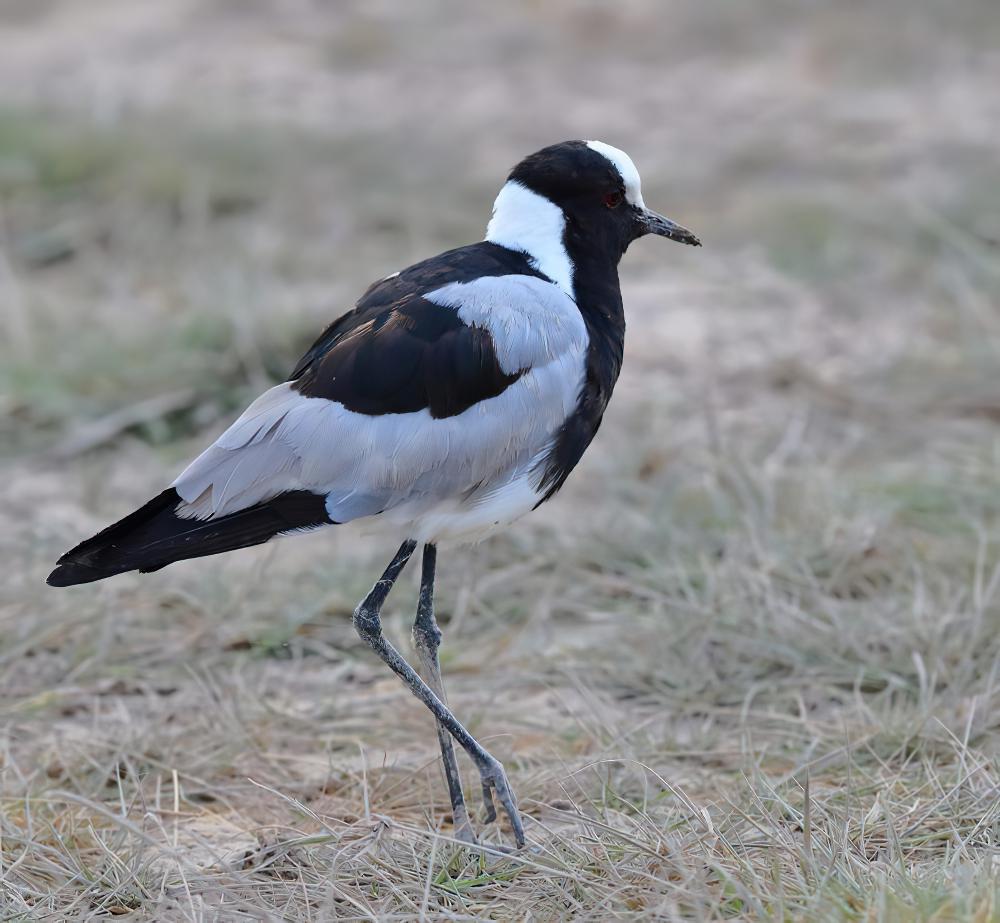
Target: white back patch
(623, 164)
(526, 221)
(532, 322)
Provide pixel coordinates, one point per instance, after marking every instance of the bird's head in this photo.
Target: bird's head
(586, 192)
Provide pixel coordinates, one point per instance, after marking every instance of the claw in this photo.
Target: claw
(495, 784)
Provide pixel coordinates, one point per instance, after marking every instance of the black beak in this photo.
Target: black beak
(652, 223)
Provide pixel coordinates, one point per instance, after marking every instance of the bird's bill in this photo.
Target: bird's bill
(652, 223)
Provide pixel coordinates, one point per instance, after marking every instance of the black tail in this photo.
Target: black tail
(155, 536)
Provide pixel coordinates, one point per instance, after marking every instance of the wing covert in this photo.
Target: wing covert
(403, 358)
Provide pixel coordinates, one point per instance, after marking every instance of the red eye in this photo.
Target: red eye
(613, 199)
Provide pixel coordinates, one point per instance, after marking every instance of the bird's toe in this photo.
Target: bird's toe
(496, 787)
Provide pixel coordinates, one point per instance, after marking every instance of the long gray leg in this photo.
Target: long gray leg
(427, 640)
(368, 624)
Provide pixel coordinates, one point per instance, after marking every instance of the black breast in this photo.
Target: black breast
(599, 298)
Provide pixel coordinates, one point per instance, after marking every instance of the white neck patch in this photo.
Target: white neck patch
(526, 221)
(623, 164)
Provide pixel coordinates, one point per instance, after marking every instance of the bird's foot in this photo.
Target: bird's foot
(464, 831)
(495, 785)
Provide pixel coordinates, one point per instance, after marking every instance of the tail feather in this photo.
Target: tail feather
(155, 536)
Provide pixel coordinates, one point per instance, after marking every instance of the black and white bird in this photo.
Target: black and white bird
(457, 396)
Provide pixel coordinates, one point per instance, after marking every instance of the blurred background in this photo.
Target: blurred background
(745, 663)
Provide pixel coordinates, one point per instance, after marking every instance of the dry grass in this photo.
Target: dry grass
(746, 666)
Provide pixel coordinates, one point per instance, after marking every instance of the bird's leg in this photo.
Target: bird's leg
(368, 624)
(427, 640)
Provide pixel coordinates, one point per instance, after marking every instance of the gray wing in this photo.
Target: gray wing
(367, 463)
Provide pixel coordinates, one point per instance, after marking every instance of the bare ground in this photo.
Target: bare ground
(746, 665)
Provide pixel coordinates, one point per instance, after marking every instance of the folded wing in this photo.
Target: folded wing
(416, 397)
(436, 402)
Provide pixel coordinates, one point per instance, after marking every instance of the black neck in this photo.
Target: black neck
(599, 299)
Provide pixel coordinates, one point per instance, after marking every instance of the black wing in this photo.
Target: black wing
(154, 535)
(396, 352)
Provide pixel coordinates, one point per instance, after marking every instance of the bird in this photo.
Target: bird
(454, 398)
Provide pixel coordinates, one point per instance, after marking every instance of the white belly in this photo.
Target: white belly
(470, 518)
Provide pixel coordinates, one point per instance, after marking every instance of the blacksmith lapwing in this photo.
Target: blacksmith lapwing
(456, 397)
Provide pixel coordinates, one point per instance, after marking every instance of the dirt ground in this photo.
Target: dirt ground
(746, 665)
